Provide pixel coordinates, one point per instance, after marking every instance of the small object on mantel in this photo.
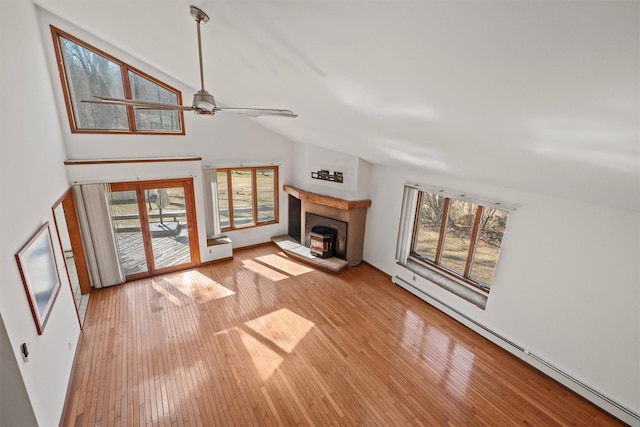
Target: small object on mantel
(325, 175)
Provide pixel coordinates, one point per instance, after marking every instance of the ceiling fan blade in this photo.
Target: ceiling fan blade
(203, 101)
(134, 103)
(255, 112)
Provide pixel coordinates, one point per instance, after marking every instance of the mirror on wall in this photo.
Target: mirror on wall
(75, 265)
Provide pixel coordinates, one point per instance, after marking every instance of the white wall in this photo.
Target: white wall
(33, 178)
(311, 158)
(566, 287)
(242, 142)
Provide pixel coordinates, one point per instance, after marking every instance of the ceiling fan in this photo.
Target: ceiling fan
(203, 102)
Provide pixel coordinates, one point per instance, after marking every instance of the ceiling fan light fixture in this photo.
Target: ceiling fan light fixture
(203, 102)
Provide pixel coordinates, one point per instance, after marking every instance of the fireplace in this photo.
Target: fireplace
(348, 217)
(324, 224)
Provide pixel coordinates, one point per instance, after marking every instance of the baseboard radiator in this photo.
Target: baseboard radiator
(606, 403)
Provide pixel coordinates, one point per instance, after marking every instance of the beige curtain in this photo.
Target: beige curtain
(210, 190)
(407, 219)
(97, 234)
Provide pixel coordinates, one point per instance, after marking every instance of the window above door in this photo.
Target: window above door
(87, 72)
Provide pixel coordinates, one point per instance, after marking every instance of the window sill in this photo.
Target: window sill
(248, 226)
(218, 240)
(464, 291)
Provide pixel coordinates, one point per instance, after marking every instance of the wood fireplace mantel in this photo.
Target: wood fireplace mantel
(353, 212)
(326, 200)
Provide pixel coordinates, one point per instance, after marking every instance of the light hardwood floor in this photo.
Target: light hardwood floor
(264, 340)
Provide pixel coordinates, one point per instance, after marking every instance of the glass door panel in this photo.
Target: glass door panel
(154, 224)
(125, 219)
(168, 227)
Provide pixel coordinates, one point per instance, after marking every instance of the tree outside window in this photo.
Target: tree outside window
(86, 73)
(458, 237)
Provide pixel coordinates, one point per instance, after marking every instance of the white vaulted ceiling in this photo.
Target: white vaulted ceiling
(530, 95)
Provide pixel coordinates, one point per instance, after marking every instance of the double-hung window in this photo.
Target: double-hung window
(87, 72)
(247, 196)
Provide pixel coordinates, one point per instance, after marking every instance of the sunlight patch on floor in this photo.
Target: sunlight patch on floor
(199, 287)
(263, 270)
(265, 360)
(283, 327)
(283, 264)
(165, 293)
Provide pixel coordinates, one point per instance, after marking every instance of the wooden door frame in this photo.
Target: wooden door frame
(190, 213)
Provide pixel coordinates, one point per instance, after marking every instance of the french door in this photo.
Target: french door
(155, 227)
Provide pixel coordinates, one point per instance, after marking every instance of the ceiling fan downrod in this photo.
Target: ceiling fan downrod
(200, 18)
(203, 101)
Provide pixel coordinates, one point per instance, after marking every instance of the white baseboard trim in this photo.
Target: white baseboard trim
(597, 398)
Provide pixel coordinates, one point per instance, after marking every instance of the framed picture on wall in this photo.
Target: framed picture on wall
(39, 273)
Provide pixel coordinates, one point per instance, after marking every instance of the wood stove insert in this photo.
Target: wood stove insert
(322, 241)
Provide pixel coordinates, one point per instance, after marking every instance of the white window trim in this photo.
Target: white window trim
(463, 196)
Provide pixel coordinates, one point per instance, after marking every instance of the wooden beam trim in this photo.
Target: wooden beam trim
(141, 160)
